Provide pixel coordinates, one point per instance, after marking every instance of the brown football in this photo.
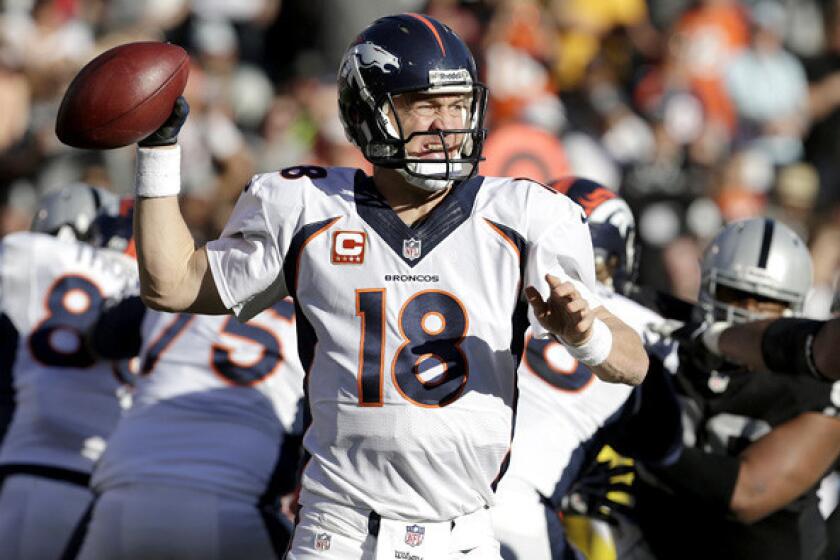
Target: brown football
(122, 95)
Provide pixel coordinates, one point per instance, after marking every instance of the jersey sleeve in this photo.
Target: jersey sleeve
(247, 260)
(561, 246)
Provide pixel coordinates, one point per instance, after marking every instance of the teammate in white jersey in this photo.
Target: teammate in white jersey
(196, 467)
(563, 408)
(410, 289)
(52, 287)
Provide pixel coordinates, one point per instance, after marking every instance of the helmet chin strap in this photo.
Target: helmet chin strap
(431, 168)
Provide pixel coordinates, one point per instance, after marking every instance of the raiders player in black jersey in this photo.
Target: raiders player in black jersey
(755, 446)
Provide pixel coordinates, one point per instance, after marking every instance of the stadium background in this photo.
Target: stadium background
(697, 112)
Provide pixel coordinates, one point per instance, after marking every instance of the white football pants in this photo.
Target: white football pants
(328, 531)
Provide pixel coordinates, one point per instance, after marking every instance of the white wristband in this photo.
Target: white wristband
(594, 351)
(158, 172)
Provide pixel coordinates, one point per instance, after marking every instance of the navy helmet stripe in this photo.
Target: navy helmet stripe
(766, 242)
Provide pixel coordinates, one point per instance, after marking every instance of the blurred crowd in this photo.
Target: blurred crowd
(698, 112)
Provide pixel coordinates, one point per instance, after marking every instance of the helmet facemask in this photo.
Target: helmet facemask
(718, 297)
(427, 173)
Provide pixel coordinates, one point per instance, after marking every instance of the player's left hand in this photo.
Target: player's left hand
(565, 313)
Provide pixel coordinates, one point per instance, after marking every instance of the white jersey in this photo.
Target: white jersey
(213, 402)
(66, 401)
(409, 334)
(562, 404)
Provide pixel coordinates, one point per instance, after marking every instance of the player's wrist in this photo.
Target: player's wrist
(595, 350)
(158, 171)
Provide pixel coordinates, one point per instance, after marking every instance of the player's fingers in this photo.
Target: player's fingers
(558, 286)
(584, 324)
(536, 300)
(565, 290)
(576, 306)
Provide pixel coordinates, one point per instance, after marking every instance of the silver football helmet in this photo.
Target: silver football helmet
(757, 257)
(68, 212)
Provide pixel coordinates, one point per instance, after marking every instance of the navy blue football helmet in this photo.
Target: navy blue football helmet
(402, 54)
(611, 224)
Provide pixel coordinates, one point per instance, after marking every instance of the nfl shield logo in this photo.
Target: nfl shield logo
(411, 249)
(322, 541)
(414, 535)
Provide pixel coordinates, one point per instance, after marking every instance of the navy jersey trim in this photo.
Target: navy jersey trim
(502, 470)
(519, 324)
(307, 340)
(517, 241)
(9, 340)
(513, 236)
(445, 218)
(299, 241)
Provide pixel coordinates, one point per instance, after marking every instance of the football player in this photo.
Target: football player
(412, 290)
(196, 466)
(564, 410)
(755, 446)
(53, 283)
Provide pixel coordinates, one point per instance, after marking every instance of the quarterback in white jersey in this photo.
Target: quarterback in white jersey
(51, 290)
(195, 467)
(564, 410)
(410, 289)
